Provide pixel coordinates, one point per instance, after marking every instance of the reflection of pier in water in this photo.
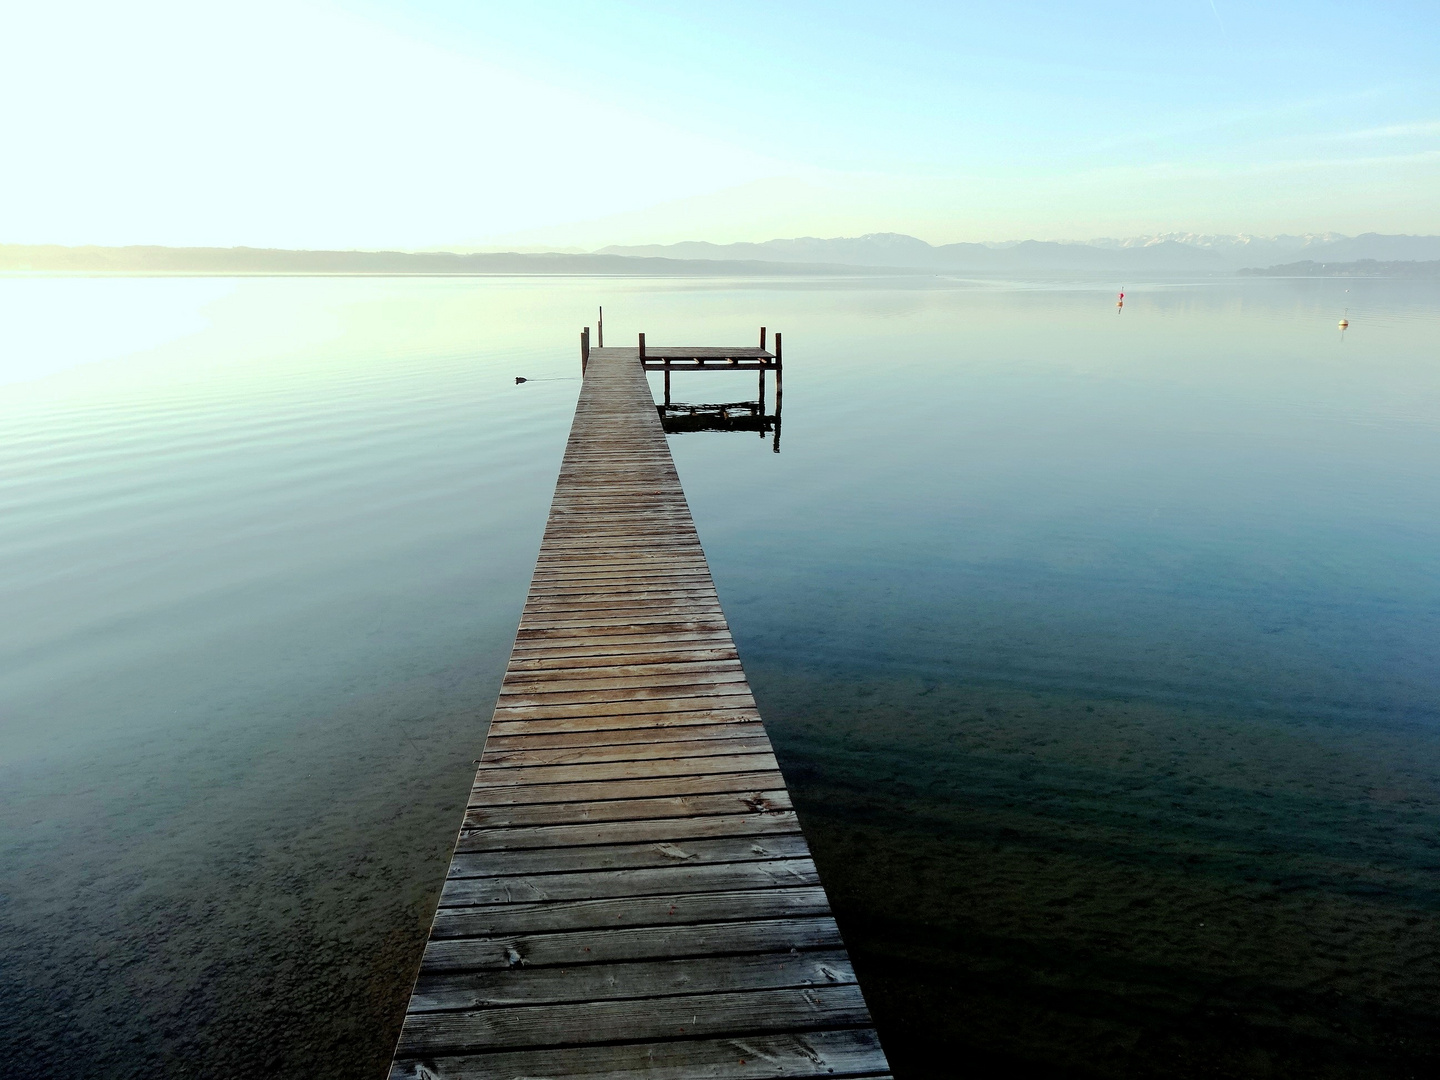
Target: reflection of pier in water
(678, 418)
(682, 417)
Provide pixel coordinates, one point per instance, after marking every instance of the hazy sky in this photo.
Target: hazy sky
(436, 123)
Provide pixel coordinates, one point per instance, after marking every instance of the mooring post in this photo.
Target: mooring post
(667, 382)
(642, 348)
(779, 392)
(584, 349)
(779, 367)
(600, 330)
(762, 339)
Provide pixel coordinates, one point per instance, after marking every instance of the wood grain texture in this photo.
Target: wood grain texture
(602, 982)
(629, 750)
(684, 783)
(842, 1054)
(748, 1012)
(618, 809)
(595, 946)
(609, 857)
(673, 830)
(524, 740)
(646, 881)
(652, 721)
(665, 909)
(630, 893)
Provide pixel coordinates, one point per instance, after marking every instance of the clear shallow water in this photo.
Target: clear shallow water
(1100, 650)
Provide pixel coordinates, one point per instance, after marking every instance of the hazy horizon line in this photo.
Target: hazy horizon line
(1176, 236)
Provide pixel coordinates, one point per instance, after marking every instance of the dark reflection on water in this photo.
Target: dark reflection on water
(1101, 652)
(1113, 887)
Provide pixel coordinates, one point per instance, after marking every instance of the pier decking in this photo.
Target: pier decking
(630, 894)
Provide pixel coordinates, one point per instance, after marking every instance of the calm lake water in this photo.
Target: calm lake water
(1101, 650)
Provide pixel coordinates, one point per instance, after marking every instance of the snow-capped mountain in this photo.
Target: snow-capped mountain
(1172, 252)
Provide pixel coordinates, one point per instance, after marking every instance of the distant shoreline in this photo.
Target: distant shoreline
(1038, 262)
(1359, 268)
(279, 262)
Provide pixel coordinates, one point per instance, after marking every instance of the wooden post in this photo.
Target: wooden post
(779, 365)
(667, 382)
(642, 348)
(600, 330)
(762, 339)
(584, 349)
(779, 391)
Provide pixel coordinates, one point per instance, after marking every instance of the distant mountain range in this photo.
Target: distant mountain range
(1168, 253)
(876, 253)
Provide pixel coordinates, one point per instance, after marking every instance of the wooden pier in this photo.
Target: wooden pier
(630, 894)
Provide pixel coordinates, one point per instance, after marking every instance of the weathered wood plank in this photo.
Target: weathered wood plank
(608, 857)
(660, 691)
(584, 572)
(675, 806)
(706, 352)
(642, 881)
(662, 581)
(682, 594)
(646, 515)
(839, 1055)
(628, 709)
(650, 733)
(633, 788)
(592, 563)
(678, 830)
(742, 1013)
(628, 751)
(580, 659)
(549, 643)
(598, 604)
(602, 982)
(656, 721)
(554, 587)
(672, 909)
(499, 777)
(594, 945)
(710, 618)
(595, 586)
(642, 567)
(645, 664)
(550, 689)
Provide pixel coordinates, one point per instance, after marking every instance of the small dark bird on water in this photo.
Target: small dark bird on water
(519, 380)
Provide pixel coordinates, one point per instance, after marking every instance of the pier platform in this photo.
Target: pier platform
(630, 894)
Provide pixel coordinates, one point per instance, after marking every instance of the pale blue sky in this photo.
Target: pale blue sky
(366, 123)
